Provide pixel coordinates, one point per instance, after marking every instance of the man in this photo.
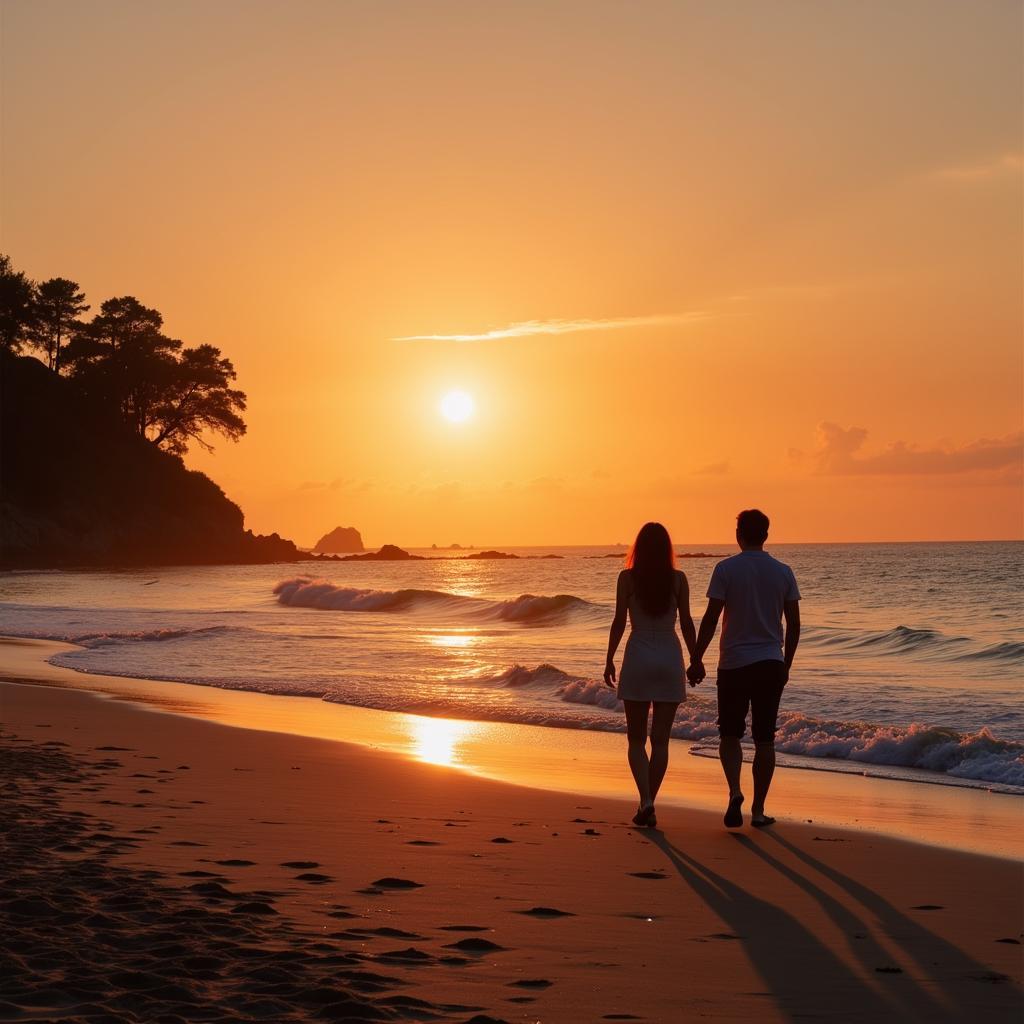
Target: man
(756, 593)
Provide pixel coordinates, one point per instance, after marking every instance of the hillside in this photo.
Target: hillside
(79, 489)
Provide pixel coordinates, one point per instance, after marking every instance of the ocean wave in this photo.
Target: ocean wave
(519, 676)
(977, 756)
(930, 644)
(111, 639)
(527, 609)
(306, 592)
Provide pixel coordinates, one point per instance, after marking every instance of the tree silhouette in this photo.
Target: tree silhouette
(17, 311)
(166, 394)
(58, 306)
(122, 358)
(198, 398)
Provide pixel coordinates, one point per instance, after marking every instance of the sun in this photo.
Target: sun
(457, 406)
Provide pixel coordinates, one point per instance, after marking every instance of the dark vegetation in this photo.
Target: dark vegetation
(91, 437)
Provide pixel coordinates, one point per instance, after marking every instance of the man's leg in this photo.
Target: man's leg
(733, 701)
(661, 731)
(764, 769)
(764, 714)
(730, 753)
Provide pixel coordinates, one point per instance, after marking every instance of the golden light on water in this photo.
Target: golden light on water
(437, 740)
(456, 640)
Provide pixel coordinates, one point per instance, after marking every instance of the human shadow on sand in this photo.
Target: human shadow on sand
(946, 967)
(803, 974)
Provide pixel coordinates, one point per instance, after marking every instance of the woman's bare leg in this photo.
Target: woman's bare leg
(661, 730)
(636, 733)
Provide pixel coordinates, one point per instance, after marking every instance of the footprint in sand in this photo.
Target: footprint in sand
(463, 928)
(235, 863)
(647, 874)
(313, 877)
(396, 883)
(537, 983)
(1012, 942)
(545, 912)
(300, 865)
(501, 839)
(928, 906)
(423, 842)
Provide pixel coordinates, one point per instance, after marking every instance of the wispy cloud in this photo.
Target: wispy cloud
(983, 170)
(528, 328)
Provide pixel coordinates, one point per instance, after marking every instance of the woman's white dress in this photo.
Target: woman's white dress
(652, 665)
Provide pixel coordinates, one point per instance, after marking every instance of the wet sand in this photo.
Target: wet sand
(166, 868)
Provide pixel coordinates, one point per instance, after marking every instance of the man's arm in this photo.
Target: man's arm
(791, 613)
(708, 625)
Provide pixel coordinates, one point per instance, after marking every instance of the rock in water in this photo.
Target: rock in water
(342, 540)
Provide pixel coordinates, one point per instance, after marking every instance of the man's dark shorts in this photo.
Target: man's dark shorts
(756, 687)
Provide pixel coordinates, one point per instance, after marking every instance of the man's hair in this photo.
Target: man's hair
(752, 526)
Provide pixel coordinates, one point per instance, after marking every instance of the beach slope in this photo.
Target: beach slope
(163, 868)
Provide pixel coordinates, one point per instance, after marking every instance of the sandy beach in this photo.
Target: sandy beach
(161, 867)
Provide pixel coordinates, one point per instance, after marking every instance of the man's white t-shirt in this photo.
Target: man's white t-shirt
(754, 587)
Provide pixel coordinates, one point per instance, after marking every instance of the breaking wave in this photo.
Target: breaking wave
(978, 756)
(141, 636)
(527, 609)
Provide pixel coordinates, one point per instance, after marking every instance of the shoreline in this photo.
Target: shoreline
(322, 879)
(584, 763)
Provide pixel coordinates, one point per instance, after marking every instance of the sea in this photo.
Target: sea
(910, 665)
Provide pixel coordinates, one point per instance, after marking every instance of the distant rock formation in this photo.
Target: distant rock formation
(490, 554)
(77, 488)
(388, 553)
(342, 540)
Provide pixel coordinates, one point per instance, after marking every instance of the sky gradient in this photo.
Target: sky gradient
(686, 257)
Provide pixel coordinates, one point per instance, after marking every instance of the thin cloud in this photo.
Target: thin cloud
(838, 454)
(529, 328)
(983, 170)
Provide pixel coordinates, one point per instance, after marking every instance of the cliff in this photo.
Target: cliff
(77, 488)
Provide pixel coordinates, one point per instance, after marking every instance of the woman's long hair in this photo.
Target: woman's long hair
(652, 561)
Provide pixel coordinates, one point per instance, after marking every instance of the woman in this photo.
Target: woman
(653, 591)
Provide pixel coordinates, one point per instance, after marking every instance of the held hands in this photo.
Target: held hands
(609, 673)
(696, 673)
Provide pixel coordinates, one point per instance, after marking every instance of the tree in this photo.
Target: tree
(167, 394)
(58, 306)
(123, 358)
(198, 398)
(17, 311)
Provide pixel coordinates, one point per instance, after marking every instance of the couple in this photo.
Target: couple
(756, 592)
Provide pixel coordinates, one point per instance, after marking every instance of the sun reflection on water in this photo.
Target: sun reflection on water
(437, 740)
(452, 639)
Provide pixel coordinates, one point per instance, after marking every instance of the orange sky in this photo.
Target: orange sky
(773, 251)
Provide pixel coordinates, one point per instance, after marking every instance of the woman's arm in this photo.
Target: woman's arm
(685, 619)
(618, 626)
